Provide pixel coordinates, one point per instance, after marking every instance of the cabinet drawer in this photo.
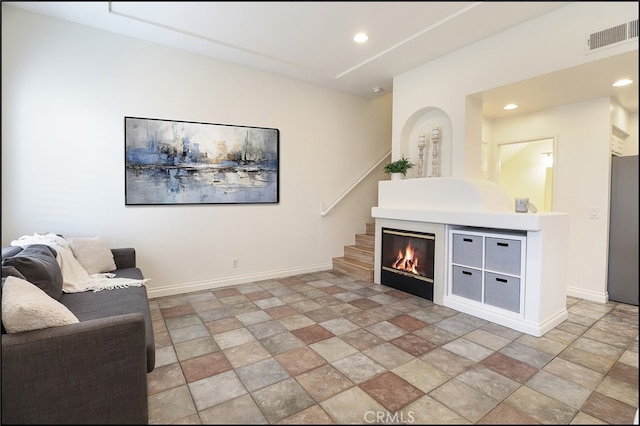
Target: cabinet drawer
(502, 291)
(467, 250)
(467, 282)
(502, 255)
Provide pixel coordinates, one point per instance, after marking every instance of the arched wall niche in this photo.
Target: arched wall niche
(422, 122)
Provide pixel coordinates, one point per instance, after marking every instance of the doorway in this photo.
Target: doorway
(525, 170)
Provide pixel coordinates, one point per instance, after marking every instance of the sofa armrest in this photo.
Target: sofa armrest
(124, 257)
(92, 372)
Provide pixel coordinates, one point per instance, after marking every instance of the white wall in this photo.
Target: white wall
(66, 89)
(549, 43)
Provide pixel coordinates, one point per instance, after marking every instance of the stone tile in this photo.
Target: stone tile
(343, 309)
(266, 329)
(313, 415)
(255, 317)
(222, 325)
(427, 410)
(526, 354)
(312, 333)
(305, 305)
(333, 349)
(383, 312)
(560, 389)
(502, 331)
(234, 300)
(232, 338)
(455, 325)
(294, 322)
(358, 367)
(241, 410)
(361, 339)
(386, 331)
(351, 407)
(398, 294)
(509, 367)
(179, 335)
(391, 391)
(421, 375)
(165, 377)
(491, 383)
(364, 303)
(427, 315)
(292, 297)
(543, 344)
(620, 390)
(281, 291)
(261, 374)
(215, 314)
(322, 314)
(196, 347)
(282, 400)
(572, 327)
(258, 295)
(204, 366)
(504, 414)
(246, 353)
(539, 406)
(588, 359)
(339, 326)
(282, 342)
(206, 305)
(226, 292)
(207, 392)
(388, 355)
(161, 339)
(585, 419)
(413, 344)
(314, 294)
(625, 373)
(299, 360)
(165, 356)
(334, 300)
(487, 339)
(450, 363)
(278, 312)
(323, 382)
(470, 403)
(269, 303)
(363, 318)
(177, 311)
(435, 335)
(575, 373)
(468, 349)
(609, 409)
(407, 322)
(171, 405)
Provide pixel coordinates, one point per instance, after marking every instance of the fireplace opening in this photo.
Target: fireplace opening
(407, 262)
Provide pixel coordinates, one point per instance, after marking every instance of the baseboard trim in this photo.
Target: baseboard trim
(171, 290)
(593, 296)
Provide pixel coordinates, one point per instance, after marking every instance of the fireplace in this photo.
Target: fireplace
(408, 261)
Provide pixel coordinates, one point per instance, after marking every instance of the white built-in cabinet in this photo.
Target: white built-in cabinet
(487, 268)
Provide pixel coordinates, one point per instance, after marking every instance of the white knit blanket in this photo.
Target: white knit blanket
(75, 278)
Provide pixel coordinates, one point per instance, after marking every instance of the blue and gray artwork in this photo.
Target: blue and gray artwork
(176, 162)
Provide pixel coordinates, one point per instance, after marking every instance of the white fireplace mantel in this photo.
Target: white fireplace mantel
(443, 203)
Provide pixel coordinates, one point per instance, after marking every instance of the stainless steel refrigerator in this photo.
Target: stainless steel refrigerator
(622, 276)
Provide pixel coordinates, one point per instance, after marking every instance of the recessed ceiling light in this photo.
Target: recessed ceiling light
(360, 38)
(377, 89)
(623, 82)
(510, 106)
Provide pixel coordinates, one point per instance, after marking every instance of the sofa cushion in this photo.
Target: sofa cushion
(91, 305)
(38, 265)
(93, 254)
(26, 307)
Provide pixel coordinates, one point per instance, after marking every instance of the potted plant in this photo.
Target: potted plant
(395, 168)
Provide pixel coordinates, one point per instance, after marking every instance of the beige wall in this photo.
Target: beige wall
(549, 43)
(66, 89)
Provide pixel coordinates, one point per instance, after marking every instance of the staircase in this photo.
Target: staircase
(358, 260)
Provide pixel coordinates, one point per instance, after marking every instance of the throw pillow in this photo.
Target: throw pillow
(26, 307)
(93, 254)
(37, 263)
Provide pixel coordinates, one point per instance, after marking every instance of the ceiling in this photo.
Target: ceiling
(312, 41)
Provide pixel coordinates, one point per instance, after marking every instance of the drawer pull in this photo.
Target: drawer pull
(503, 244)
(501, 280)
(467, 240)
(467, 273)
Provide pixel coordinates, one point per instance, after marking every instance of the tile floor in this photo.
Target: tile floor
(325, 348)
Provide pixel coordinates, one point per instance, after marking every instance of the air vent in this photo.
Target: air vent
(612, 36)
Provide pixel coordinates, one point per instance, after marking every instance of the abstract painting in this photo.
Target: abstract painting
(182, 162)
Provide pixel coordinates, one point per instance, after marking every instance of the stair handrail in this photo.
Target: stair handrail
(352, 187)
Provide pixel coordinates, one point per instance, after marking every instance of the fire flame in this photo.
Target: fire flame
(406, 261)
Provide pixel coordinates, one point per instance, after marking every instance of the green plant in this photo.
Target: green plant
(398, 166)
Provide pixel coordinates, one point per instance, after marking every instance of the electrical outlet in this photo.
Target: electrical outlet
(234, 263)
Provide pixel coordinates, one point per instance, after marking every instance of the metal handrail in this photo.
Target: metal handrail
(345, 193)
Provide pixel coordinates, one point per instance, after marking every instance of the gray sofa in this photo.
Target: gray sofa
(90, 372)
